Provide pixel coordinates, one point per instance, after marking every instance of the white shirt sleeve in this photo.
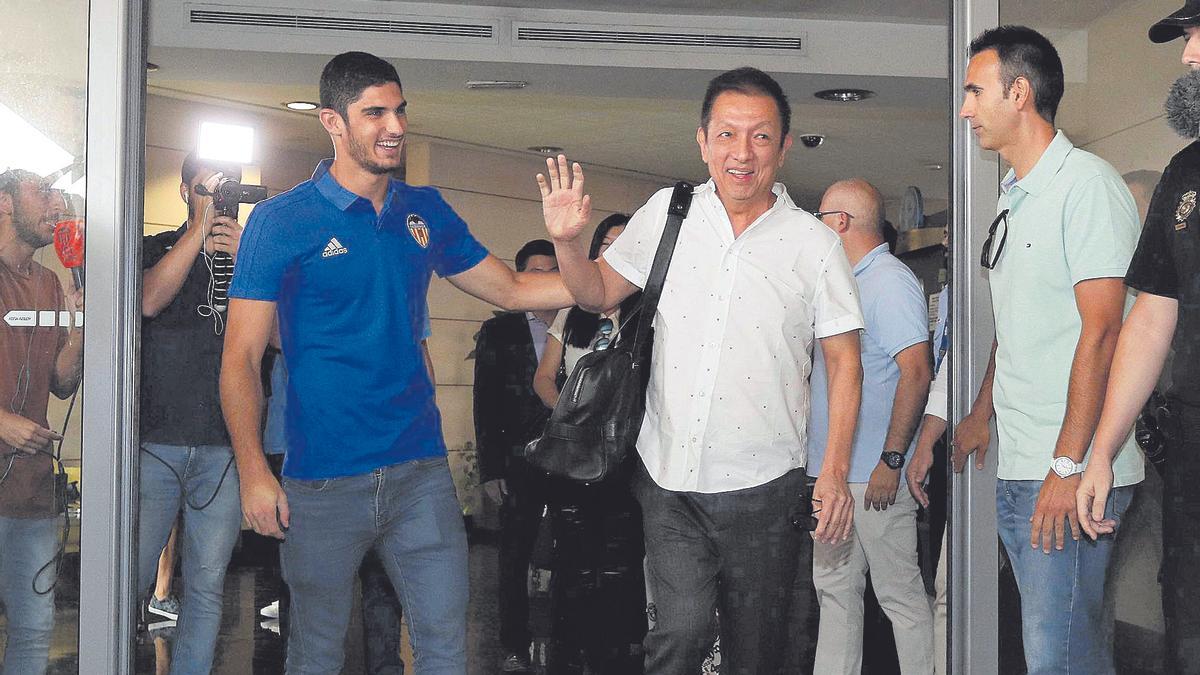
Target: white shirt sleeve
(632, 254)
(938, 404)
(836, 305)
(558, 326)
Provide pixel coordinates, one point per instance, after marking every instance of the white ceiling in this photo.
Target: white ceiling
(637, 118)
(1047, 13)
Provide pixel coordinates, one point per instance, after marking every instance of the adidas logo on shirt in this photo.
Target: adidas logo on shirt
(334, 247)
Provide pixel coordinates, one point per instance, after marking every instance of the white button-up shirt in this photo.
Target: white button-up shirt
(727, 404)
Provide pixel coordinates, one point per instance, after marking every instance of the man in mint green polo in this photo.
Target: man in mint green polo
(1056, 255)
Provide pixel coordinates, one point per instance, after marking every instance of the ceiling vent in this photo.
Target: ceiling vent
(431, 27)
(653, 37)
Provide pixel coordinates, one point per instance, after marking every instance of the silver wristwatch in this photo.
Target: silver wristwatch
(1065, 467)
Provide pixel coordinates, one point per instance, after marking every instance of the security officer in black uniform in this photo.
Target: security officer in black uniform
(1166, 272)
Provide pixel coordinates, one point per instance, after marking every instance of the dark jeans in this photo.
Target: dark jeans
(599, 588)
(735, 552)
(381, 613)
(1181, 539)
(520, 517)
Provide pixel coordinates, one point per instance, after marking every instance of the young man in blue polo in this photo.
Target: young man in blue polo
(345, 260)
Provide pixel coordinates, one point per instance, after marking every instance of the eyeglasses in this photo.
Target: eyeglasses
(822, 214)
(603, 331)
(989, 259)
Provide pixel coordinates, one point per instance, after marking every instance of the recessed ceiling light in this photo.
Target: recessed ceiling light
(546, 149)
(301, 105)
(151, 67)
(844, 95)
(497, 84)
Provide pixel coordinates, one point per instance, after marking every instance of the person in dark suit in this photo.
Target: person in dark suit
(508, 414)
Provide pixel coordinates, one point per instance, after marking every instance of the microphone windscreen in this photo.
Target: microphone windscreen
(68, 242)
(1183, 105)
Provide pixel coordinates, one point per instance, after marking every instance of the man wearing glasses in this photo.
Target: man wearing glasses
(896, 375)
(1055, 256)
(1165, 315)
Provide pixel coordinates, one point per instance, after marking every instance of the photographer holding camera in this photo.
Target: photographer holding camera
(187, 462)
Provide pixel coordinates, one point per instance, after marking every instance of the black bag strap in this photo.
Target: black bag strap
(681, 201)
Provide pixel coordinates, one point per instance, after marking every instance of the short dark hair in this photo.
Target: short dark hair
(752, 82)
(348, 74)
(530, 249)
(1024, 52)
(193, 163)
(11, 180)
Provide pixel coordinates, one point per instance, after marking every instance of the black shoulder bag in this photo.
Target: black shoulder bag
(599, 411)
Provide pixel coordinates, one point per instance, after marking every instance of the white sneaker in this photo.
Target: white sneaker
(271, 611)
(271, 625)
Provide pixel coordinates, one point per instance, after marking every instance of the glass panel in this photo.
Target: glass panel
(894, 139)
(42, 114)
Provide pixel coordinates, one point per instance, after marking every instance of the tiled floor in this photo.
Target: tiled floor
(245, 648)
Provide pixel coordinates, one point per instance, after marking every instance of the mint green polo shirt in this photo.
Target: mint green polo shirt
(1070, 219)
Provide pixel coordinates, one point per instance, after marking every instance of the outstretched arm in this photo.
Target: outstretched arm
(497, 283)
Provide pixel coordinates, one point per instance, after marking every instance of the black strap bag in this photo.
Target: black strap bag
(599, 411)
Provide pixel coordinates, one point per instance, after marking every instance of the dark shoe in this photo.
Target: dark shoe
(167, 607)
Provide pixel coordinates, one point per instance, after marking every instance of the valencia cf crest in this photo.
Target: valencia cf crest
(418, 229)
(1187, 204)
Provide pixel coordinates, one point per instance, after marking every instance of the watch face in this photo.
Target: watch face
(1064, 466)
(894, 460)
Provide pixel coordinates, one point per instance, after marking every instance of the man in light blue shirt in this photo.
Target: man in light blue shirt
(1056, 256)
(896, 374)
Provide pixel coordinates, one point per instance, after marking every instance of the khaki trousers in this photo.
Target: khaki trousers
(884, 543)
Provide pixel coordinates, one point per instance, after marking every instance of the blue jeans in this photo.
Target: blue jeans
(1063, 622)
(381, 613)
(410, 515)
(26, 545)
(207, 538)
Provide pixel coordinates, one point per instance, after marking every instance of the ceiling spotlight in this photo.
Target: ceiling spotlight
(301, 105)
(151, 67)
(497, 84)
(546, 149)
(844, 95)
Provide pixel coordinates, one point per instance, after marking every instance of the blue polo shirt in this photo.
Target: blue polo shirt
(350, 287)
(893, 304)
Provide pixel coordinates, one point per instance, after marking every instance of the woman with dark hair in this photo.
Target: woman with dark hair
(599, 591)
(575, 331)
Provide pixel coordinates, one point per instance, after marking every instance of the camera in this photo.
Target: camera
(226, 197)
(230, 192)
(812, 140)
